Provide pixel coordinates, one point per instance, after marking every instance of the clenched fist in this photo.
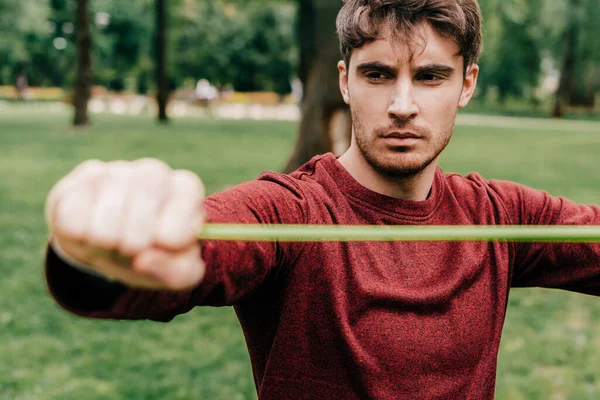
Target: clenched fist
(135, 222)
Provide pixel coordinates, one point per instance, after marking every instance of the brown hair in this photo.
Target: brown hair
(360, 22)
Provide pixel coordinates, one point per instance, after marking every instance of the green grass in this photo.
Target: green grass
(551, 345)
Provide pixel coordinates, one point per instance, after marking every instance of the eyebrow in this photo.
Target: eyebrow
(428, 68)
(438, 68)
(376, 66)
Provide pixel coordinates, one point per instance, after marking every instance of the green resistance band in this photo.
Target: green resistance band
(387, 233)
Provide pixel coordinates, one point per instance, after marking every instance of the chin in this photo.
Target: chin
(398, 165)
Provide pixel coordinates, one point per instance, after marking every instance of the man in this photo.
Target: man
(334, 320)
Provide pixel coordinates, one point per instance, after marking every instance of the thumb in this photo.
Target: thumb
(174, 270)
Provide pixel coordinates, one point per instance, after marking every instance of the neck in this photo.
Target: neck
(412, 188)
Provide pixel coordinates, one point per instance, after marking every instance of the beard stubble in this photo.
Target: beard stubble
(399, 163)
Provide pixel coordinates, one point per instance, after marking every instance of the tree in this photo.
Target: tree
(325, 123)
(580, 57)
(83, 81)
(518, 67)
(162, 82)
(511, 61)
(567, 78)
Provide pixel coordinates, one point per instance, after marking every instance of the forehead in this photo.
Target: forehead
(425, 46)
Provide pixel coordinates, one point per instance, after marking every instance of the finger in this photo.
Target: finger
(88, 169)
(140, 221)
(109, 264)
(109, 208)
(75, 209)
(176, 271)
(116, 267)
(180, 217)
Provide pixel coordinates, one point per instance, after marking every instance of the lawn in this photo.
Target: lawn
(551, 344)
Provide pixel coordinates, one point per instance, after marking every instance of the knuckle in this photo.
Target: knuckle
(152, 165)
(86, 178)
(187, 182)
(87, 168)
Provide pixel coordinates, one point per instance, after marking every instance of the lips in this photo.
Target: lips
(402, 135)
(402, 140)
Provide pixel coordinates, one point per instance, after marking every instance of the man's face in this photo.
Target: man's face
(404, 100)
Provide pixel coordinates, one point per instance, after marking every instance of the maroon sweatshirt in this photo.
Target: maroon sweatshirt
(364, 320)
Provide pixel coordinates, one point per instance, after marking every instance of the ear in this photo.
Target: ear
(469, 85)
(344, 81)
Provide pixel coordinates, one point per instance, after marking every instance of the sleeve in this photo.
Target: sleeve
(569, 266)
(234, 270)
(75, 288)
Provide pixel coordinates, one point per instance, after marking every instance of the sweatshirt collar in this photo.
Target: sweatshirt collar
(351, 188)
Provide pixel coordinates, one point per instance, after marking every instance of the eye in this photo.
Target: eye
(375, 76)
(429, 77)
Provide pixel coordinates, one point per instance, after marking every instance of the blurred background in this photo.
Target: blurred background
(227, 89)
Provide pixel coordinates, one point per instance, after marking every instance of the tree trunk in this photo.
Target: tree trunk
(567, 76)
(83, 81)
(306, 38)
(325, 124)
(162, 84)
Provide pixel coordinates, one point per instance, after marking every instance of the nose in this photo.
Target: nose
(404, 105)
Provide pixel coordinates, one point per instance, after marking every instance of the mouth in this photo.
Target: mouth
(402, 135)
(402, 139)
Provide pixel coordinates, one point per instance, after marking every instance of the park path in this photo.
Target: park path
(520, 123)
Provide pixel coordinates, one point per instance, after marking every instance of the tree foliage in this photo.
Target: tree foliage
(523, 35)
(512, 57)
(248, 46)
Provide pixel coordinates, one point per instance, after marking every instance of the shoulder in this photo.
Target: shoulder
(521, 203)
(475, 183)
(271, 197)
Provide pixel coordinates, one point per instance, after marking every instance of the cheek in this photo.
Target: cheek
(439, 104)
(366, 119)
(372, 103)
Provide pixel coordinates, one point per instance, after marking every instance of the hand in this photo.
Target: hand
(135, 222)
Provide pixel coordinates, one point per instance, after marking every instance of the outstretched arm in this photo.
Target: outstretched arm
(157, 280)
(568, 266)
